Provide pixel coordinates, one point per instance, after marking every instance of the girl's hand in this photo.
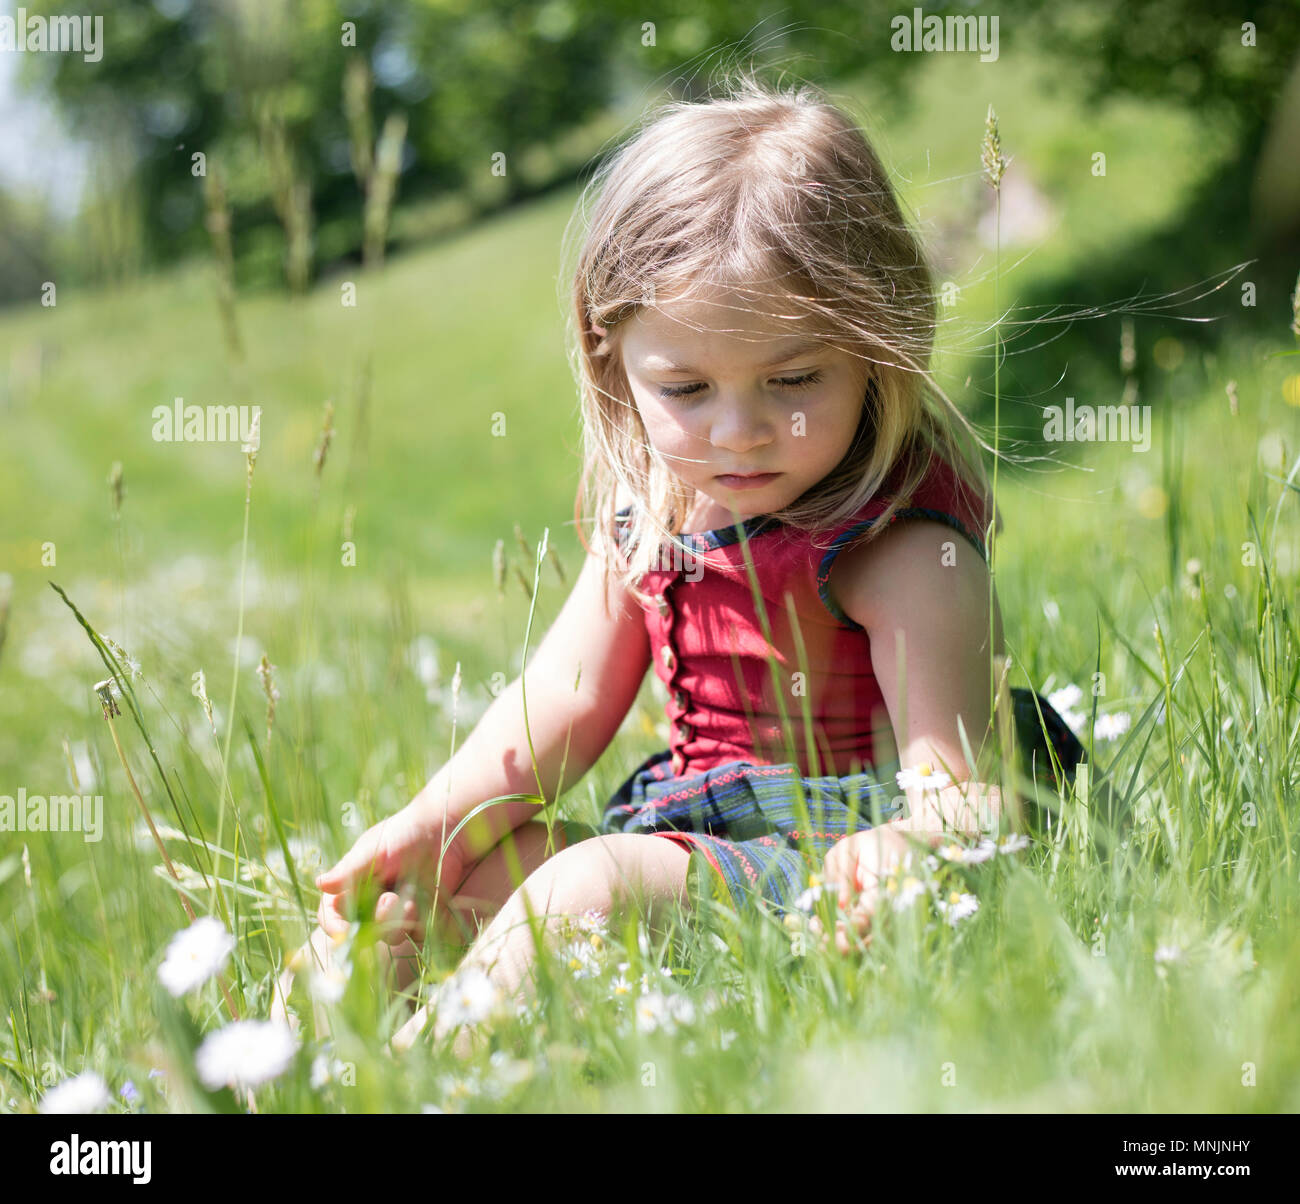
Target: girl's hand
(857, 864)
(401, 852)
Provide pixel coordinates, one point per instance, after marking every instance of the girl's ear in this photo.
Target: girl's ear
(596, 328)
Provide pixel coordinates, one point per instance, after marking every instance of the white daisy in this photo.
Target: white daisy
(323, 1069)
(84, 1092)
(510, 1071)
(1168, 953)
(664, 972)
(808, 900)
(327, 986)
(593, 921)
(1110, 726)
(1075, 721)
(652, 1012)
(1013, 842)
(456, 1088)
(620, 988)
(195, 954)
(957, 906)
(246, 1053)
(306, 856)
(922, 777)
(468, 997)
(681, 1009)
(1064, 698)
(910, 890)
(582, 959)
(981, 852)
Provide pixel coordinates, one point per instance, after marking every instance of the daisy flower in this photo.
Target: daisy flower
(468, 997)
(922, 777)
(582, 959)
(593, 922)
(84, 1092)
(652, 1012)
(981, 852)
(808, 900)
(1111, 726)
(1168, 953)
(958, 906)
(664, 972)
(620, 988)
(910, 890)
(1075, 721)
(195, 954)
(952, 852)
(246, 1053)
(1013, 842)
(323, 1069)
(510, 1071)
(1065, 698)
(682, 1010)
(327, 986)
(457, 1088)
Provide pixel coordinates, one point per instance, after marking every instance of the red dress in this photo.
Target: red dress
(710, 651)
(762, 812)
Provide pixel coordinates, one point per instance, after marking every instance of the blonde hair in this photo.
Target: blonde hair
(759, 187)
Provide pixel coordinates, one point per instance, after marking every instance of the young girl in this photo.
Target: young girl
(788, 533)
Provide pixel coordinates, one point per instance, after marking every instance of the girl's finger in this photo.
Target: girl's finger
(359, 860)
(328, 916)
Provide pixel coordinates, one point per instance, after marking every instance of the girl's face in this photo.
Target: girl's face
(756, 401)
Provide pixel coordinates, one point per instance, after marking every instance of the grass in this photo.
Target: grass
(1049, 998)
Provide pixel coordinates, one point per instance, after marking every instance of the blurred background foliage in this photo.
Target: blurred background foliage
(287, 99)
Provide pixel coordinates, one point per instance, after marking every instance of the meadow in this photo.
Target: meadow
(382, 555)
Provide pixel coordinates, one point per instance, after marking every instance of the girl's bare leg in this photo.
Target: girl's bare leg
(600, 874)
(502, 870)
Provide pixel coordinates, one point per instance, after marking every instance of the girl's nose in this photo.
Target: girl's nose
(740, 429)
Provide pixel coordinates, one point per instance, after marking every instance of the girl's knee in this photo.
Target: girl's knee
(606, 870)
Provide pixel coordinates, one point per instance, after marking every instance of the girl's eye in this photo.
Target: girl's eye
(681, 391)
(788, 382)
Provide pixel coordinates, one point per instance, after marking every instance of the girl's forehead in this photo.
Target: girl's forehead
(726, 323)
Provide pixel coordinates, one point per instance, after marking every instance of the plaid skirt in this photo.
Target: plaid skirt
(759, 838)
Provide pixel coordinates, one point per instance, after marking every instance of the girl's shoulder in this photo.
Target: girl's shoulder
(943, 494)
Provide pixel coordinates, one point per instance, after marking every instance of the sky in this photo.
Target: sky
(37, 156)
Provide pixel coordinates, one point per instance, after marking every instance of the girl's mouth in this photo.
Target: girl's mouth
(753, 481)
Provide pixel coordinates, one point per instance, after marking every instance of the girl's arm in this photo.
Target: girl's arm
(899, 586)
(607, 654)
